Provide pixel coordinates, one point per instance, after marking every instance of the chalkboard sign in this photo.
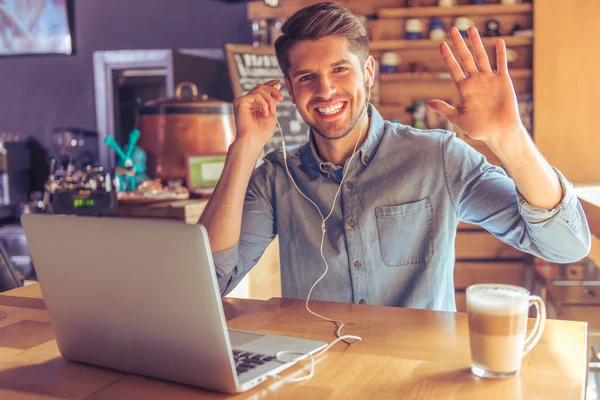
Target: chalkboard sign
(250, 66)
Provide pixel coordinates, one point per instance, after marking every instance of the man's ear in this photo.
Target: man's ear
(290, 90)
(370, 70)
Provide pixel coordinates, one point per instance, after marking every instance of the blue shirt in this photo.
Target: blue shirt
(390, 240)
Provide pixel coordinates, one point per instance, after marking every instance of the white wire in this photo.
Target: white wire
(312, 359)
(323, 221)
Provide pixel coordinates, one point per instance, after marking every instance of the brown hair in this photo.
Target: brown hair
(318, 21)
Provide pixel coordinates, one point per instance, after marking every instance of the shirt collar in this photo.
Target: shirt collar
(376, 129)
(366, 151)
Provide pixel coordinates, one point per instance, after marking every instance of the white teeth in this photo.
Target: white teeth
(331, 110)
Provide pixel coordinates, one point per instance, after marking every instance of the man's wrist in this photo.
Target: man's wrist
(247, 146)
(511, 145)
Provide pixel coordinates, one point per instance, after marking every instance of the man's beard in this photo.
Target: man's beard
(345, 131)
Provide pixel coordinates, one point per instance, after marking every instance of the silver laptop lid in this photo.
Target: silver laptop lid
(135, 295)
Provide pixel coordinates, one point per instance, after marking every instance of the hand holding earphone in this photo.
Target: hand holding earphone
(255, 113)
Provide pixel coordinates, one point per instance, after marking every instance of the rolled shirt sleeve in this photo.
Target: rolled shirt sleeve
(258, 230)
(483, 194)
(565, 225)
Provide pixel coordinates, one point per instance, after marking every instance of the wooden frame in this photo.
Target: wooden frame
(230, 53)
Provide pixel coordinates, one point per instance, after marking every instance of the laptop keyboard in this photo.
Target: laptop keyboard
(245, 361)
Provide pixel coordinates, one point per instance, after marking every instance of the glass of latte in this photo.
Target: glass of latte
(497, 328)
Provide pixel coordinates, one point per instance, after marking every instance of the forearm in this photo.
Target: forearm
(534, 177)
(222, 216)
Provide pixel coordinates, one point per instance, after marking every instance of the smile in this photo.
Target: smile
(333, 109)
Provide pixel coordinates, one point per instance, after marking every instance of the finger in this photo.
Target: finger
(270, 94)
(445, 109)
(274, 83)
(501, 57)
(463, 51)
(270, 98)
(274, 90)
(453, 68)
(481, 57)
(258, 103)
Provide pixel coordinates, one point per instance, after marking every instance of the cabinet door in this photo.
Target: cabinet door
(566, 86)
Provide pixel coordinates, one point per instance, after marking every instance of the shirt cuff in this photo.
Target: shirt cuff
(540, 216)
(225, 260)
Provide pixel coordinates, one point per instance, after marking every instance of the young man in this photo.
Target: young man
(390, 237)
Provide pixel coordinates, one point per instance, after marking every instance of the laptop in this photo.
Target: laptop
(141, 296)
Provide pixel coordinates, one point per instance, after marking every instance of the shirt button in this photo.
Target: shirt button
(357, 264)
(366, 159)
(351, 223)
(349, 185)
(362, 301)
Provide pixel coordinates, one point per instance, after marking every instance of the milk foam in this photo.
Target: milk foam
(497, 300)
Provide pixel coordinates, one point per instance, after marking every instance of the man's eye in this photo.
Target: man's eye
(340, 69)
(305, 78)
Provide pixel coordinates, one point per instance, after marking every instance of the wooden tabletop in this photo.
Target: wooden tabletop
(405, 353)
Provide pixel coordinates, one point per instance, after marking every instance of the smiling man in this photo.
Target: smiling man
(398, 193)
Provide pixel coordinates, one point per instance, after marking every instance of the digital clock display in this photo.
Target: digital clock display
(77, 203)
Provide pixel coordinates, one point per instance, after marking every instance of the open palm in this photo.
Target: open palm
(488, 109)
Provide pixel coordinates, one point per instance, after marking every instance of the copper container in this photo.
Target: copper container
(173, 126)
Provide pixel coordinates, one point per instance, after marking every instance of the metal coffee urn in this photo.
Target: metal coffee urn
(173, 126)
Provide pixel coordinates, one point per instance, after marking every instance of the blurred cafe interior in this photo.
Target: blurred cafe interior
(123, 111)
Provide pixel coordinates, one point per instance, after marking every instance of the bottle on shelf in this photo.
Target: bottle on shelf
(260, 32)
(275, 29)
(414, 29)
(437, 29)
(492, 28)
(463, 24)
(390, 62)
(446, 3)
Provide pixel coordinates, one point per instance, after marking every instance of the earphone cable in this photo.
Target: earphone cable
(323, 230)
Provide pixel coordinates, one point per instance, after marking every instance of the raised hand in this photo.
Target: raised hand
(255, 113)
(488, 109)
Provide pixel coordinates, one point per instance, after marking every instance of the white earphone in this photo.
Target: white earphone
(323, 221)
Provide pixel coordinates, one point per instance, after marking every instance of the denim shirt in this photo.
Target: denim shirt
(390, 239)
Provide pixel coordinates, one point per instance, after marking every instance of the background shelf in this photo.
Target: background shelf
(491, 9)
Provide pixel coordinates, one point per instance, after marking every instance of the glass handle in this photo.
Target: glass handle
(540, 323)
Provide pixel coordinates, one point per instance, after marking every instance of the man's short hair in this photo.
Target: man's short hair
(318, 21)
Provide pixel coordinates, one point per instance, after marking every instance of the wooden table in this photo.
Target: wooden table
(405, 354)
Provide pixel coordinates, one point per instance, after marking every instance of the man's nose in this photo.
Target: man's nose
(325, 88)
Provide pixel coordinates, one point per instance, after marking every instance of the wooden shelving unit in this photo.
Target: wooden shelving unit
(428, 12)
(523, 73)
(401, 44)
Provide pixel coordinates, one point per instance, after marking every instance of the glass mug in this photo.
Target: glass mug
(497, 327)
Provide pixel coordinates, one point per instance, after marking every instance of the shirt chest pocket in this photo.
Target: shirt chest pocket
(405, 233)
